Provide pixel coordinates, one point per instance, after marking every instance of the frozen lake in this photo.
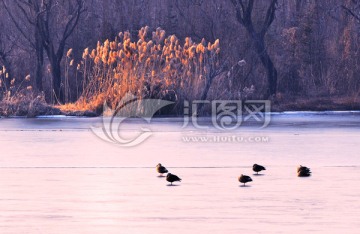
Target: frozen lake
(57, 177)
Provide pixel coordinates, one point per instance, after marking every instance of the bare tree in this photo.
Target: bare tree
(244, 10)
(46, 22)
(52, 23)
(4, 58)
(26, 26)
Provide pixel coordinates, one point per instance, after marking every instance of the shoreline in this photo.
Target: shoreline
(277, 106)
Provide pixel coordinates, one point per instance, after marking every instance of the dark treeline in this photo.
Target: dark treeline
(287, 48)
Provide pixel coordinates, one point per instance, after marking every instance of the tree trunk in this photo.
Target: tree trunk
(266, 61)
(271, 73)
(39, 61)
(56, 74)
(244, 11)
(207, 88)
(58, 89)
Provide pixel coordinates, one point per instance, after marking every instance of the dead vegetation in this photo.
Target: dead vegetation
(153, 66)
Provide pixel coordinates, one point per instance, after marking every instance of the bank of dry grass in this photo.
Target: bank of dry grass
(26, 103)
(152, 66)
(335, 103)
(17, 98)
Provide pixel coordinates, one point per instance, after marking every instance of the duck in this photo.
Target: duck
(303, 171)
(244, 179)
(172, 178)
(257, 168)
(161, 169)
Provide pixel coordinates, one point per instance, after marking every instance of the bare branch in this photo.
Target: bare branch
(70, 26)
(351, 12)
(17, 25)
(244, 11)
(240, 10)
(189, 22)
(22, 9)
(270, 16)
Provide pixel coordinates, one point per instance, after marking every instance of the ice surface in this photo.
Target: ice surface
(56, 176)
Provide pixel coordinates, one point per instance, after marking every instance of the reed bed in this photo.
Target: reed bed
(153, 66)
(17, 98)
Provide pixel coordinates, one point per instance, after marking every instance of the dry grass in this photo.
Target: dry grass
(26, 103)
(151, 67)
(335, 103)
(19, 99)
(10, 89)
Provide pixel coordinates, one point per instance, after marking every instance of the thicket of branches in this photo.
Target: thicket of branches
(289, 49)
